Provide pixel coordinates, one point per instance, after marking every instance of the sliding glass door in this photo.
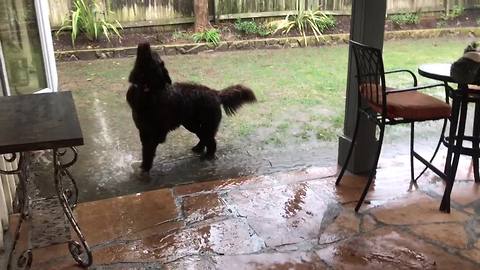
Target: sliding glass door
(26, 51)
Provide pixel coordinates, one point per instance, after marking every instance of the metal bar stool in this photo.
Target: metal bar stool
(389, 106)
(461, 98)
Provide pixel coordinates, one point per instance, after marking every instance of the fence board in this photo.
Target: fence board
(160, 12)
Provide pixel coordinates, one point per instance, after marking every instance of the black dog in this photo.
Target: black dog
(158, 106)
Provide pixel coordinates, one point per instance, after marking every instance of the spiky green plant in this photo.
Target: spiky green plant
(304, 20)
(87, 18)
(211, 36)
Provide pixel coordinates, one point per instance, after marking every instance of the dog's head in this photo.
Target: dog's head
(149, 72)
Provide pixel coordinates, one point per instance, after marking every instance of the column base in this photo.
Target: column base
(362, 157)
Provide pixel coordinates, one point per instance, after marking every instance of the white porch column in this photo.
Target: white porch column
(367, 26)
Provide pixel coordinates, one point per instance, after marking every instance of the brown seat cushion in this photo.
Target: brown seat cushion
(411, 105)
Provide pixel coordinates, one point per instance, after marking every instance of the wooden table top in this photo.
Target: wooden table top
(38, 121)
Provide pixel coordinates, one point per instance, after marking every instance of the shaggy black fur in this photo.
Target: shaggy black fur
(158, 106)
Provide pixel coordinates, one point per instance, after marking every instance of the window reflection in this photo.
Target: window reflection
(21, 46)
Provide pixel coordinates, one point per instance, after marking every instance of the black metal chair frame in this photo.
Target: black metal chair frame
(370, 71)
(454, 141)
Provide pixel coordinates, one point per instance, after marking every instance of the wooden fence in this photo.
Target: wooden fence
(164, 12)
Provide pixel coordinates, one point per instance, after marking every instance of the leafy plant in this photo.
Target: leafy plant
(405, 19)
(304, 20)
(211, 36)
(456, 11)
(180, 35)
(474, 46)
(251, 27)
(87, 18)
(441, 23)
(247, 27)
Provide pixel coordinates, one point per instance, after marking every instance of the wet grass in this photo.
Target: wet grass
(301, 92)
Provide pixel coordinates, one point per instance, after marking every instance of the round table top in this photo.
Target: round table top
(438, 71)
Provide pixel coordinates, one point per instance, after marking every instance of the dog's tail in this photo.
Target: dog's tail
(233, 97)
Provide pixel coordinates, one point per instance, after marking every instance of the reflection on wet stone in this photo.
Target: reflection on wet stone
(295, 222)
(282, 214)
(283, 220)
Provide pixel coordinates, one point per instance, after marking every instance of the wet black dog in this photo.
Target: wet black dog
(158, 106)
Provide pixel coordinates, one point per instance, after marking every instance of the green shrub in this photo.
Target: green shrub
(180, 35)
(478, 21)
(441, 23)
(474, 46)
(251, 27)
(455, 12)
(304, 20)
(246, 27)
(87, 18)
(210, 36)
(326, 22)
(405, 19)
(264, 30)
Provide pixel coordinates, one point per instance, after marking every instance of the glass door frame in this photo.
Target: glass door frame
(48, 55)
(3, 74)
(45, 32)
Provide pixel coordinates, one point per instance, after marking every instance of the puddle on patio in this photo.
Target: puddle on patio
(111, 154)
(286, 138)
(108, 160)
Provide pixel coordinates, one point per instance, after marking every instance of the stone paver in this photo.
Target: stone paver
(297, 220)
(287, 260)
(124, 215)
(415, 208)
(443, 234)
(388, 248)
(203, 207)
(295, 212)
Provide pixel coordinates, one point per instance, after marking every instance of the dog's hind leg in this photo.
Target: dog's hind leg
(208, 129)
(211, 144)
(199, 147)
(207, 138)
(196, 129)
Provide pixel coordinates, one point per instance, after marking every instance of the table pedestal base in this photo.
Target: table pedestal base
(67, 193)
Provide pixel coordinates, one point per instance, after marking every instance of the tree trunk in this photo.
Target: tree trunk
(201, 15)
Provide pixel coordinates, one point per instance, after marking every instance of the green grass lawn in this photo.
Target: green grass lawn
(301, 92)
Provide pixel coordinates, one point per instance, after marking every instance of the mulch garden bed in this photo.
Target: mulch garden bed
(133, 36)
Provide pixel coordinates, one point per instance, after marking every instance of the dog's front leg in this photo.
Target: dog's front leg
(149, 147)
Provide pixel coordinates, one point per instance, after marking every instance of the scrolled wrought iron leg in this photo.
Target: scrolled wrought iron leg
(71, 193)
(24, 261)
(80, 251)
(350, 150)
(374, 169)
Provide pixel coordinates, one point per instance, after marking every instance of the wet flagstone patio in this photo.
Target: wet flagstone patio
(295, 220)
